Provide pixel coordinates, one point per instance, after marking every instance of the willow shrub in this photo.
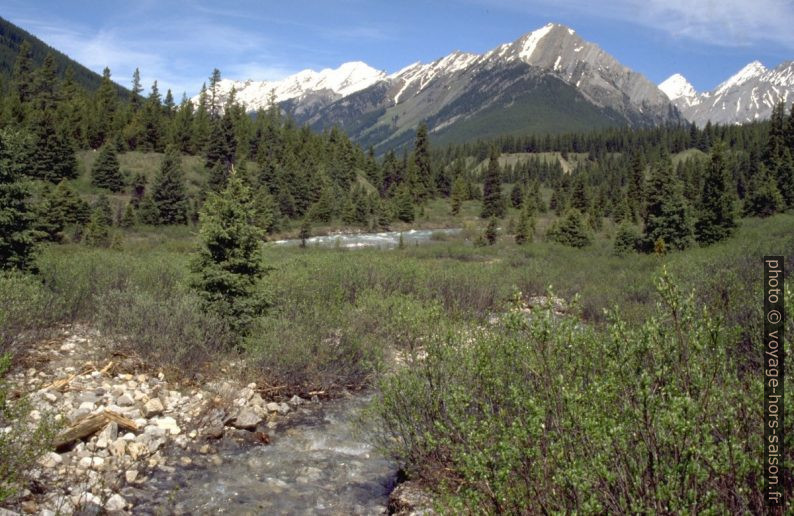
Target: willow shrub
(545, 414)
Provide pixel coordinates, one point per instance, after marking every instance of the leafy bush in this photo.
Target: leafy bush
(543, 414)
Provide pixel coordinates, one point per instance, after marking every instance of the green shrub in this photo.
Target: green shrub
(543, 414)
(626, 239)
(25, 312)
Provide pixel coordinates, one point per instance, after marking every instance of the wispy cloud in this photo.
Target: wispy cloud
(727, 23)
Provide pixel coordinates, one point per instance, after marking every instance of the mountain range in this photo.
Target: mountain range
(547, 81)
(747, 96)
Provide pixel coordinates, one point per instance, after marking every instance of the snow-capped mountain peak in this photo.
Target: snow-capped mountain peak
(750, 71)
(749, 95)
(339, 82)
(676, 86)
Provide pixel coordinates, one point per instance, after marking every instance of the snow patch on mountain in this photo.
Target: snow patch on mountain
(750, 71)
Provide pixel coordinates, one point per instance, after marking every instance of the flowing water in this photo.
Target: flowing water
(320, 464)
(386, 239)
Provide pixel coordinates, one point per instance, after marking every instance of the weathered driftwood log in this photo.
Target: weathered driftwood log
(92, 424)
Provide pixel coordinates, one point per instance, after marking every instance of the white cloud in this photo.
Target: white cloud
(728, 23)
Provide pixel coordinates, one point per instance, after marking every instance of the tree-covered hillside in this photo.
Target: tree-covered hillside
(11, 38)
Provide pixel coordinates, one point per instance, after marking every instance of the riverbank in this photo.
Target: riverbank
(154, 425)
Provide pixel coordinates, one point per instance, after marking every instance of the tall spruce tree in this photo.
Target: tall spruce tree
(763, 197)
(105, 172)
(228, 267)
(169, 192)
(717, 216)
(17, 218)
(492, 201)
(422, 159)
(570, 230)
(667, 215)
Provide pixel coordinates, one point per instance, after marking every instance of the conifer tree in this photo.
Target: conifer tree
(138, 185)
(106, 105)
(459, 194)
(169, 192)
(404, 205)
(67, 206)
(152, 122)
(382, 216)
(147, 211)
(105, 172)
(570, 230)
(517, 195)
(17, 218)
(636, 188)
(526, 227)
(128, 220)
(492, 202)
(305, 231)
(424, 169)
(97, 232)
(102, 206)
(136, 101)
(626, 239)
(228, 267)
(717, 217)
(763, 197)
(491, 232)
(667, 214)
(266, 210)
(221, 151)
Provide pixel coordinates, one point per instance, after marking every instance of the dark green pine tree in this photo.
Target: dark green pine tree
(459, 194)
(517, 195)
(305, 231)
(105, 172)
(763, 197)
(147, 211)
(129, 219)
(97, 232)
(382, 216)
(424, 167)
(570, 230)
(68, 207)
(136, 101)
(105, 107)
(182, 130)
(169, 192)
(229, 267)
(626, 239)
(17, 217)
(221, 151)
(667, 217)
(717, 215)
(404, 204)
(54, 158)
(152, 122)
(491, 232)
(492, 201)
(525, 231)
(636, 187)
(102, 206)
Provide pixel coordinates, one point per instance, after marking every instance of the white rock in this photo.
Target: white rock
(167, 423)
(86, 406)
(297, 400)
(153, 407)
(125, 400)
(136, 450)
(246, 419)
(283, 408)
(272, 407)
(118, 447)
(50, 460)
(107, 435)
(116, 503)
(131, 475)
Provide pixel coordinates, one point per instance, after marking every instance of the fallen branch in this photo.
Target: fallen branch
(90, 425)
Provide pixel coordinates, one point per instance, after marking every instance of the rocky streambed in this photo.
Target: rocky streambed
(182, 449)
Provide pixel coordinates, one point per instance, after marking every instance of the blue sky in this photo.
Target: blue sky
(180, 42)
